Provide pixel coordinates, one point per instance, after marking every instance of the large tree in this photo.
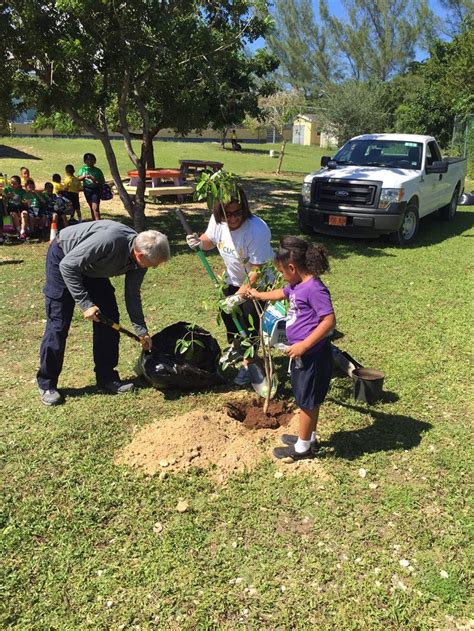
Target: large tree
(305, 49)
(378, 38)
(134, 67)
(353, 107)
(446, 88)
(372, 40)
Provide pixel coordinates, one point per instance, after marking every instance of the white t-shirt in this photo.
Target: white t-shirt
(250, 243)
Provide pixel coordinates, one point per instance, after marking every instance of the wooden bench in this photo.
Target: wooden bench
(160, 191)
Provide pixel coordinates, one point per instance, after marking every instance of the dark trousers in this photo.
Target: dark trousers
(59, 311)
(247, 308)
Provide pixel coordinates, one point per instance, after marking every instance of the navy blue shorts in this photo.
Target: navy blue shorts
(310, 382)
(73, 198)
(92, 195)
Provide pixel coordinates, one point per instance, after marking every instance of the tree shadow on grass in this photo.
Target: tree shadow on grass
(11, 262)
(387, 432)
(11, 152)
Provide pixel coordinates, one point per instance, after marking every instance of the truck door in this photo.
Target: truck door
(433, 186)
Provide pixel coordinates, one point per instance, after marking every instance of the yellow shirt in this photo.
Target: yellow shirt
(72, 184)
(58, 187)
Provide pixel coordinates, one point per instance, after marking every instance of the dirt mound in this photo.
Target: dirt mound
(212, 440)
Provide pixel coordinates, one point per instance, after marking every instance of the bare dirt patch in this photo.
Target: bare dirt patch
(214, 441)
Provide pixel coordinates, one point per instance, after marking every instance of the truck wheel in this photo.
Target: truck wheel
(448, 212)
(305, 229)
(407, 232)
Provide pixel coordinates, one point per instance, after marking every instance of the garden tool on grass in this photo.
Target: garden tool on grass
(256, 373)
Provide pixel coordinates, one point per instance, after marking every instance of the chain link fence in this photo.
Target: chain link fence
(462, 143)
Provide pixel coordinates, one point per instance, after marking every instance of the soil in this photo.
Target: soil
(215, 441)
(252, 416)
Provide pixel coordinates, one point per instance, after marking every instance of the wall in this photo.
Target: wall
(207, 135)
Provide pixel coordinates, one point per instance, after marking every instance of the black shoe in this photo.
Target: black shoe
(290, 439)
(284, 453)
(116, 387)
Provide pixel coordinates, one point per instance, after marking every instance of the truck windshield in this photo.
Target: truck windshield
(381, 153)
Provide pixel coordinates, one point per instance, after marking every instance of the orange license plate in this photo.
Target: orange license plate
(337, 220)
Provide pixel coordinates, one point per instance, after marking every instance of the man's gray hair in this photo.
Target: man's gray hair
(153, 245)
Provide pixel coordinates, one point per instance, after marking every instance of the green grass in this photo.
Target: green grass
(45, 156)
(322, 553)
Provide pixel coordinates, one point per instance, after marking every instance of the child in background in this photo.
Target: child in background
(24, 175)
(309, 322)
(51, 201)
(36, 213)
(57, 184)
(92, 179)
(72, 187)
(15, 205)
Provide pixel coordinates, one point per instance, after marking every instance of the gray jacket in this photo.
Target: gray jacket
(101, 249)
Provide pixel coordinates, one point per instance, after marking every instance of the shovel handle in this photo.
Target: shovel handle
(109, 322)
(187, 229)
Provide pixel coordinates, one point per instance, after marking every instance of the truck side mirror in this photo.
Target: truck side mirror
(325, 160)
(439, 166)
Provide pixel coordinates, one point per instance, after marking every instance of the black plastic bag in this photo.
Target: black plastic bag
(165, 368)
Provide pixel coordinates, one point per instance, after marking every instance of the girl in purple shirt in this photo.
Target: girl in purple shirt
(309, 323)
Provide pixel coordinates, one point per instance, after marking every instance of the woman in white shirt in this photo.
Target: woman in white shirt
(243, 241)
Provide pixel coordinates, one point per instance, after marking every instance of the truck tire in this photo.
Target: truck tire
(448, 212)
(304, 228)
(407, 232)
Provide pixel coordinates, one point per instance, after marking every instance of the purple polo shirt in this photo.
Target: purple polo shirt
(309, 303)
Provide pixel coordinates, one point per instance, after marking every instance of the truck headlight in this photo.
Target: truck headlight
(306, 192)
(390, 196)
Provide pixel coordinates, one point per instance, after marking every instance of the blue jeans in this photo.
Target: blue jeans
(59, 311)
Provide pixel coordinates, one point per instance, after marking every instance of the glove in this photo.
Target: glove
(193, 241)
(229, 304)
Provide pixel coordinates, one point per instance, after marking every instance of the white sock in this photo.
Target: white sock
(313, 437)
(302, 445)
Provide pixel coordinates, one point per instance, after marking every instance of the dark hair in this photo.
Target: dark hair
(241, 199)
(69, 168)
(56, 177)
(29, 182)
(26, 168)
(311, 257)
(16, 178)
(89, 155)
(49, 184)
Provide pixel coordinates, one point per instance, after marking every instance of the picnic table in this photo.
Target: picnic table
(193, 167)
(161, 183)
(157, 176)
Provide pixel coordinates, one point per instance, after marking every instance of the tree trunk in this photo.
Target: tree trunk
(282, 155)
(223, 137)
(134, 204)
(149, 153)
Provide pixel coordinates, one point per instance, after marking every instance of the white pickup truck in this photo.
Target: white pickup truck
(381, 184)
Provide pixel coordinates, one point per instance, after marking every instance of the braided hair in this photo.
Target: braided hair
(309, 257)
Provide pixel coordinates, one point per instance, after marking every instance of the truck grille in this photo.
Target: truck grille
(336, 193)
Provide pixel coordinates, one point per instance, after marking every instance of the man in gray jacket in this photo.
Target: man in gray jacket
(79, 264)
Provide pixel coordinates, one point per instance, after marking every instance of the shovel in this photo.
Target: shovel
(256, 374)
(103, 319)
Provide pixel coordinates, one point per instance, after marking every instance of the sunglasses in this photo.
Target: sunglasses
(234, 213)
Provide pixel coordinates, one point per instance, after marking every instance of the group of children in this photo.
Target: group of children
(27, 212)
